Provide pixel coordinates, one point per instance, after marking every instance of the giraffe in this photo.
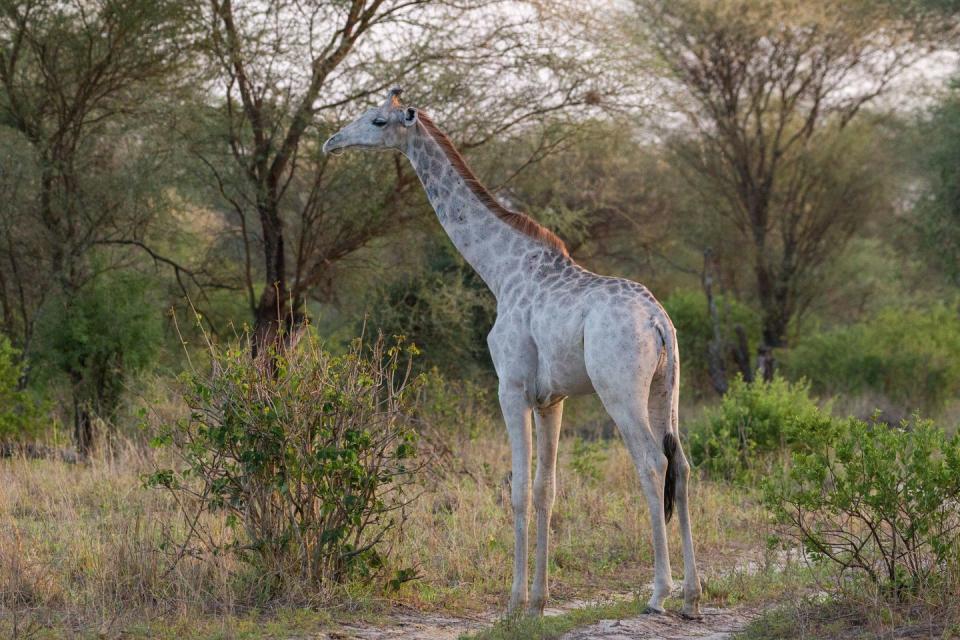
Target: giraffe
(560, 331)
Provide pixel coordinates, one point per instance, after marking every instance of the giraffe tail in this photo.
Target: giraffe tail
(670, 442)
(670, 481)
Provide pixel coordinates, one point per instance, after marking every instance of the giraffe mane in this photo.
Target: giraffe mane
(519, 221)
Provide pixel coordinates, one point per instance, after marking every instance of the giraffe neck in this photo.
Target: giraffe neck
(491, 246)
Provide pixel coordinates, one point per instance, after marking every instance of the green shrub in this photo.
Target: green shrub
(444, 308)
(691, 317)
(19, 414)
(588, 458)
(454, 407)
(752, 421)
(310, 460)
(94, 341)
(865, 497)
(910, 356)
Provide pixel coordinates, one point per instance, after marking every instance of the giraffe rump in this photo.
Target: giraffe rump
(519, 221)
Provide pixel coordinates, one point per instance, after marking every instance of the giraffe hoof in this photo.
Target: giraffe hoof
(695, 617)
(648, 610)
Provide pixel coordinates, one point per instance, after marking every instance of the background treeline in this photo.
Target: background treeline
(785, 177)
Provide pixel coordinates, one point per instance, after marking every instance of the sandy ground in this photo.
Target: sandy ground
(717, 624)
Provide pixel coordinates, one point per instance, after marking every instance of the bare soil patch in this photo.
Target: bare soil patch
(717, 624)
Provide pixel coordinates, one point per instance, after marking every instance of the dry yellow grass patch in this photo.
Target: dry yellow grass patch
(86, 549)
(460, 534)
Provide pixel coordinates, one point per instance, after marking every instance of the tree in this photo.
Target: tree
(289, 72)
(68, 71)
(600, 189)
(107, 332)
(74, 76)
(772, 83)
(938, 211)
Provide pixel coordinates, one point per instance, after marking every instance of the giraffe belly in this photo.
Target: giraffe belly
(560, 373)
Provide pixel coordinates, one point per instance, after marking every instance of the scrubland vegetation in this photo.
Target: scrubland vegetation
(245, 389)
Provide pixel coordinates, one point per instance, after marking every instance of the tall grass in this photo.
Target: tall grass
(82, 547)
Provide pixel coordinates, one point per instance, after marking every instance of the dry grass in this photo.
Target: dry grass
(84, 549)
(459, 535)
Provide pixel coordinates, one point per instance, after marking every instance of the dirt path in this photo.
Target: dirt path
(418, 626)
(717, 624)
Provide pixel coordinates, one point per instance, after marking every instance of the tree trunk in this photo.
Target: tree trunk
(741, 354)
(776, 315)
(279, 316)
(82, 426)
(278, 321)
(775, 319)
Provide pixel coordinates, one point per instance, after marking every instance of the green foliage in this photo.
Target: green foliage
(938, 214)
(98, 338)
(445, 309)
(910, 356)
(874, 499)
(588, 457)
(752, 422)
(309, 458)
(19, 415)
(691, 317)
(446, 406)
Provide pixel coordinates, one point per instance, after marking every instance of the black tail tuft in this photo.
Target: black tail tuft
(670, 482)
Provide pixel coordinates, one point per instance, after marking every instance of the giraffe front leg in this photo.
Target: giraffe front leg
(544, 491)
(516, 413)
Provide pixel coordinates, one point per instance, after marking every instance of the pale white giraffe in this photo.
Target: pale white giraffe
(560, 331)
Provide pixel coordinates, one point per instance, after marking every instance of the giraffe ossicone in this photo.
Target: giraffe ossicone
(560, 331)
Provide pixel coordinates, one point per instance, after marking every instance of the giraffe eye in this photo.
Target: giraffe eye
(379, 122)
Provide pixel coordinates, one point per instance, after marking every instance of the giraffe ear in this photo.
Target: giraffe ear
(409, 117)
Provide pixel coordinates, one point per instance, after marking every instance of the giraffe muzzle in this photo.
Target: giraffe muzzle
(332, 145)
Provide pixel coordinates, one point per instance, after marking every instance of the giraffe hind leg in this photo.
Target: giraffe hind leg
(623, 383)
(664, 418)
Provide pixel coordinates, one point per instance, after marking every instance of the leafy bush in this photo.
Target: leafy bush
(94, 341)
(752, 421)
(878, 500)
(459, 407)
(588, 458)
(910, 356)
(310, 460)
(445, 309)
(690, 315)
(19, 415)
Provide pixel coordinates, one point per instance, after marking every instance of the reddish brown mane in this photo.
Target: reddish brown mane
(521, 222)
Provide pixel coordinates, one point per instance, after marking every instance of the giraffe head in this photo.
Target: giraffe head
(383, 127)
